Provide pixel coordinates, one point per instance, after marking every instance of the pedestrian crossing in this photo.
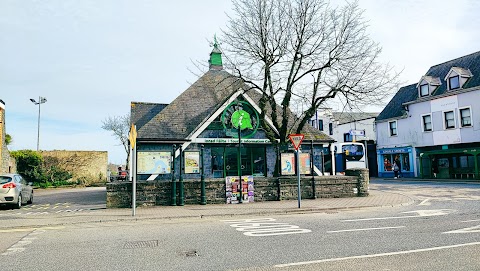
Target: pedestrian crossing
(44, 209)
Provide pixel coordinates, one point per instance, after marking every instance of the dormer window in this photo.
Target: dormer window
(454, 82)
(424, 90)
(427, 85)
(457, 77)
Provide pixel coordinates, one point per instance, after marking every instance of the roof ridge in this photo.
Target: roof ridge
(455, 59)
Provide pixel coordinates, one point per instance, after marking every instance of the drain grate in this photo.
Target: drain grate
(189, 253)
(141, 244)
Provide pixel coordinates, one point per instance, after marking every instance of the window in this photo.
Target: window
(454, 82)
(320, 125)
(330, 128)
(427, 123)
(424, 90)
(347, 137)
(465, 117)
(449, 118)
(393, 128)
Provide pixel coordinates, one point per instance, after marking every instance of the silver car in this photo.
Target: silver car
(15, 191)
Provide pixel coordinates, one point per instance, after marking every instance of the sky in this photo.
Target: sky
(90, 59)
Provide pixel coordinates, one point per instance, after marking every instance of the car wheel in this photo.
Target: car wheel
(19, 202)
(30, 201)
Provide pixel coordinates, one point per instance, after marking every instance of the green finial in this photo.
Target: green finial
(215, 56)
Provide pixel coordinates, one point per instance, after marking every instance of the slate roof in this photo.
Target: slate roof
(348, 117)
(179, 119)
(406, 94)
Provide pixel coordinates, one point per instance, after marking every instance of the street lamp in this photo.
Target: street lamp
(41, 100)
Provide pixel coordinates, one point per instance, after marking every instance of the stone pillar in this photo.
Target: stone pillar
(363, 180)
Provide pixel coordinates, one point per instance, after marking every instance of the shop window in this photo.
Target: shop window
(402, 160)
(465, 117)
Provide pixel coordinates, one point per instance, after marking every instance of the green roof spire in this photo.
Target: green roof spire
(215, 56)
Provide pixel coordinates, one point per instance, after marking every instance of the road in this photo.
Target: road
(441, 231)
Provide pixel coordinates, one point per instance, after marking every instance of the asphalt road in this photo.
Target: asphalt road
(441, 231)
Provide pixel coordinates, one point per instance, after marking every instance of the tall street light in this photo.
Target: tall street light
(41, 100)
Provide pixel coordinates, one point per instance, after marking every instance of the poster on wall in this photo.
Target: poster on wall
(192, 162)
(304, 163)
(233, 189)
(153, 162)
(288, 163)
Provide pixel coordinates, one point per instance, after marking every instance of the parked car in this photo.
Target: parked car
(15, 191)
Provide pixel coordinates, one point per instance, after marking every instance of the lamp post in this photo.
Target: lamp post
(41, 100)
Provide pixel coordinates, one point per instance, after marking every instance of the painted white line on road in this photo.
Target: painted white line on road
(367, 229)
(376, 255)
(421, 213)
(474, 220)
(425, 202)
(32, 229)
(466, 230)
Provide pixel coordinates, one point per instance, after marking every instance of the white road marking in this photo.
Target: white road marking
(367, 229)
(264, 227)
(32, 229)
(421, 213)
(425, 202)
(376, 255)
(20, 246)
(474, 220)
(466, 230)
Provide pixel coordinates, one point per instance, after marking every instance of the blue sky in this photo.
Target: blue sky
(91, 58)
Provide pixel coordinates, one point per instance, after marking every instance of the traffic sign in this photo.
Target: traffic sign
(296, 140)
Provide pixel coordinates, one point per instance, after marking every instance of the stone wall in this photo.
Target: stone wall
(150, 193)
(6, 165)
(86, 166)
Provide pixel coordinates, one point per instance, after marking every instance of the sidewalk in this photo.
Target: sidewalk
(375, 199)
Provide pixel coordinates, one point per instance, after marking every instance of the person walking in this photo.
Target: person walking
(434, 167)
(398, 162)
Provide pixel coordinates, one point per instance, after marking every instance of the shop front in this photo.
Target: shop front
(402, 157)
(459, 163)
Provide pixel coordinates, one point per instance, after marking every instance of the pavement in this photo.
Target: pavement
(376, 198)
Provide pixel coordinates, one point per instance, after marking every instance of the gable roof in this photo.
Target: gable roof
(394, 108)
(181, 118)
(409, 94)
(348, 117)
(469, 62)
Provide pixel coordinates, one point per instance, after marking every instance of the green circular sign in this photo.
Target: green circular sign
(240, 116)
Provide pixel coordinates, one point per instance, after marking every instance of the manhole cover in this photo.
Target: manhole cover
(141, 244)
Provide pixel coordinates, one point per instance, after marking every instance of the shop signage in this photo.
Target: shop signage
(230, 140)
(399, 150)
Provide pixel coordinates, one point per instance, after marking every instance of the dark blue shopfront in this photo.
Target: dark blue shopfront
(403, 156)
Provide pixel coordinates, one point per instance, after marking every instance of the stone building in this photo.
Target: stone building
(188, 151)
(7, 164)
(213, 112)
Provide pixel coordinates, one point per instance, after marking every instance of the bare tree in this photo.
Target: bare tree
(305, 51)
(120, 126)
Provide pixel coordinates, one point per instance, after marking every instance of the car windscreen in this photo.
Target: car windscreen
(5, 179)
